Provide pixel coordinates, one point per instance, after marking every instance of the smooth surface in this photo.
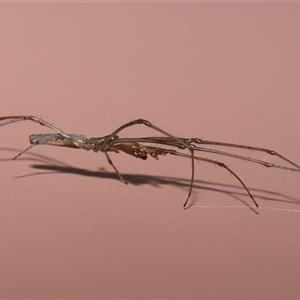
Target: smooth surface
(220, 71)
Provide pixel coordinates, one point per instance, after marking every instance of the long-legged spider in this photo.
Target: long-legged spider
(134, 147)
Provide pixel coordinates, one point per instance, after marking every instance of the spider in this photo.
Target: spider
(137, 148)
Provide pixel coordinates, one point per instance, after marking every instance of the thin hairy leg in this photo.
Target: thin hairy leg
(110, 138)
(13, 119)
(220, 164)
(141, 151)
(111, 163)
(64, 137)
(176, 143)
(259, 149)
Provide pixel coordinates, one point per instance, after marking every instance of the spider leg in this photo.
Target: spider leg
(23, 151)
(111, 163)
(177, 143)
(72, 140)
(141, 151)
(259, 149)
(104, 146)
(13, 119)
(254, 160)
(220, 164)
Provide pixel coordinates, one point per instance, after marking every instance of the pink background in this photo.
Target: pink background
(220, 71)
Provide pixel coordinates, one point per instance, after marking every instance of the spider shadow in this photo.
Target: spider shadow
(48, 165)
(234, 191)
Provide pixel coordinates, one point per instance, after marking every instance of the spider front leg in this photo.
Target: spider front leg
(13, 119)
(60, 139)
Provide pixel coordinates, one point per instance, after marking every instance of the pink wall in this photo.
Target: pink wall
(219, 71)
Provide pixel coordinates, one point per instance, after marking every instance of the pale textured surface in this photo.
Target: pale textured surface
(227, 72)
